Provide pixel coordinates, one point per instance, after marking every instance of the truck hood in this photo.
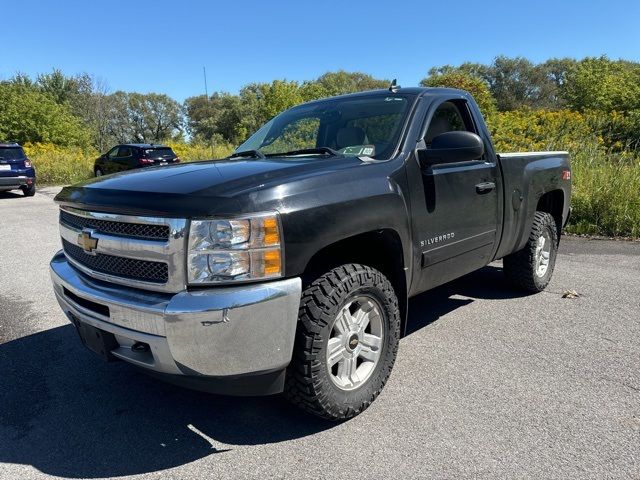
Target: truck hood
(199, 188)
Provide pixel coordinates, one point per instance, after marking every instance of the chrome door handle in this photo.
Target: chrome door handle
(485, 187)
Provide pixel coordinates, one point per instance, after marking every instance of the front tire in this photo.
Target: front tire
(531, 268)
(346, 342)
(99, 172)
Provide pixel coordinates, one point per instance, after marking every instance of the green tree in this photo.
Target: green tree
(259, 102)
(603, 84)
(516, 82)
(27, 115)
(464, 81)
(137, 117)
(61, 88)
(213, 117)
(341, 82)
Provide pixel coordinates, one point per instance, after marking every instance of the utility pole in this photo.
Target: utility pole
(204, 73)
(206, 93)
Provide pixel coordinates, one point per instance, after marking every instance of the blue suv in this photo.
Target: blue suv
(16, 170)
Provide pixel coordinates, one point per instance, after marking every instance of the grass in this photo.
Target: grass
(61, 165)
(606, 193)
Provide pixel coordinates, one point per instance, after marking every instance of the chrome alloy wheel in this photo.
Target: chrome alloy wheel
(543, 252)
(355, 344)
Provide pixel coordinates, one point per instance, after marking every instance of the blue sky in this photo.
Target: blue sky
(161, 46)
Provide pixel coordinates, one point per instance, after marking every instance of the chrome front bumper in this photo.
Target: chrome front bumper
(216, 332)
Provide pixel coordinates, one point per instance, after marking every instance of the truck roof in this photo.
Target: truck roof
(417, 91)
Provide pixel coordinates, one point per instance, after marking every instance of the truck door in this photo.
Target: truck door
(458, 217)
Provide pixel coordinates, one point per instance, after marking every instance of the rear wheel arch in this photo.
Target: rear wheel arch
(552, 202)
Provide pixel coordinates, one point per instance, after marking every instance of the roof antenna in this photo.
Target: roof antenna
(393, 88)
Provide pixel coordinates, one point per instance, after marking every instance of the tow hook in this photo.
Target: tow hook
(140, 347)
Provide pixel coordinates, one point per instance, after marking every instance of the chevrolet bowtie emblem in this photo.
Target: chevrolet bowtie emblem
(87, 242)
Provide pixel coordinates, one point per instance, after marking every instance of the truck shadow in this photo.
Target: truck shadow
(487, 283)
(68, 414)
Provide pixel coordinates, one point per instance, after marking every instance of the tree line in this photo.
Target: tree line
(79, 110)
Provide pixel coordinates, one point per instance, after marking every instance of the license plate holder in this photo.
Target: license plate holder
(5, 168)
(98, 341)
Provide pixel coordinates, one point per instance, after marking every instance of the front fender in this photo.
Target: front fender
(371, 198)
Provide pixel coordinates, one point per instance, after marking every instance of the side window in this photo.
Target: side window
(451, 116)
(113, 153)
(124, 152)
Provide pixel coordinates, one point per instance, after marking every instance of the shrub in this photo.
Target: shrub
(57, 165)
(194, 152)
(606, 177)
(540, 130)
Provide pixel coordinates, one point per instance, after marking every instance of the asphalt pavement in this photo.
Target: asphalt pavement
(488, 383)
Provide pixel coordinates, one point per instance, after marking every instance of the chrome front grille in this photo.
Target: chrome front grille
(141, 270)
(123, 229)
(141, 252)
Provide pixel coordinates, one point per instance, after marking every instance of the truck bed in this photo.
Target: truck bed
(522, 182)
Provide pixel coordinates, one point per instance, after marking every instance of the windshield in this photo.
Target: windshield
(364, 126)
(11, 153)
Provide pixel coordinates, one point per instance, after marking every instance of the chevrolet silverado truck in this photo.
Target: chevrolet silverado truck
(288, 266)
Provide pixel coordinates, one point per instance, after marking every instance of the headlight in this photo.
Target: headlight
(246, 248)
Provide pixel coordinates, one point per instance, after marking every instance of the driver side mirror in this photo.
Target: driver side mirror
(450, 147)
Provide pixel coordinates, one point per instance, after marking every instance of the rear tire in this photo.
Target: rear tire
(29, 190)
(346, 342)
(531, 268)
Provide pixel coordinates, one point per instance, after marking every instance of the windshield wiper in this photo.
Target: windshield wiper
(248, 153)
(307, 151)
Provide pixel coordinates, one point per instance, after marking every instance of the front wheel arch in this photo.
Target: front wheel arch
(379, 249)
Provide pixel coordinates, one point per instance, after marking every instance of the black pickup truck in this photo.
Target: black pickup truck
(288, 266)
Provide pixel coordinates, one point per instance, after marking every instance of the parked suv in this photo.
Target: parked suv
(16, 170)
(134, 155)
